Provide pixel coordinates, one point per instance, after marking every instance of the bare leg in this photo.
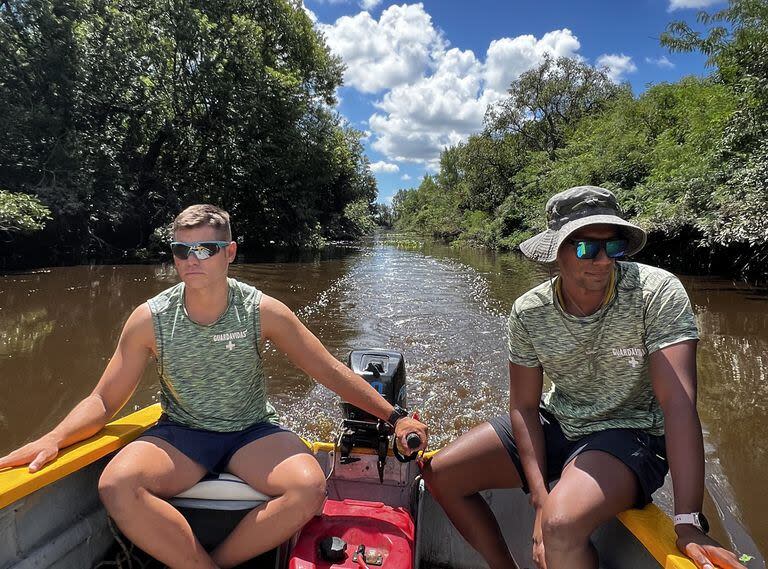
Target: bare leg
(594, 487)
(132, 488)
(475, 461)
(278, 465)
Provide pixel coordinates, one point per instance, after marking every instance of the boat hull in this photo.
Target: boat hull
(60, 526)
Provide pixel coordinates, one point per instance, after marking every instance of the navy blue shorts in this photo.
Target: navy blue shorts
(211, 449)
(644, 454)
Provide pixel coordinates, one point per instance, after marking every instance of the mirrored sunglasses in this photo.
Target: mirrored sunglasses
(590, 248)
(201, 249)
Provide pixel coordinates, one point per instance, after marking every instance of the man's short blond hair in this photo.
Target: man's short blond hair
(204, 215)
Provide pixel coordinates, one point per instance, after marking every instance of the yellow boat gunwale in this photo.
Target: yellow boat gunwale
(650, 525)
(16, 483)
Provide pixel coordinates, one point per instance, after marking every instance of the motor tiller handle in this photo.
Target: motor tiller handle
(413, 440)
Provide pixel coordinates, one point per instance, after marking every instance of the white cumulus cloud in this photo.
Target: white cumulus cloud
(382, 166)
(507, 58)
(616, 65)
(684, 4)
(662, 61)
(418, 120)
(309, 13)
(405, 177)
(428, 94)
(397, 49)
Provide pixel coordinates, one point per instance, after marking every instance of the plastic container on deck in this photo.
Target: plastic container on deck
(386, 530)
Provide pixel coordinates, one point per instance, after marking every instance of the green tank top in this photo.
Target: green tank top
(211, 377)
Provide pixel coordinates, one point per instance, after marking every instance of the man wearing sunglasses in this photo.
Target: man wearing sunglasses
(207, 336)
(617, 340)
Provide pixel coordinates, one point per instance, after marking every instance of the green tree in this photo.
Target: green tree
(120, 113)
(656, 151)
(21, 214)
(735, 44)
(488, 188)
(383, 215)
(548, 100)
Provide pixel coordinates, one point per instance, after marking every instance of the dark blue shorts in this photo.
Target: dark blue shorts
(644, 454)
(211, 449)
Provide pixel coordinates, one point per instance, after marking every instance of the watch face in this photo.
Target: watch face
(704, 523)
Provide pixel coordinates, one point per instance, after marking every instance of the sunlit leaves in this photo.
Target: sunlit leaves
(21, 213)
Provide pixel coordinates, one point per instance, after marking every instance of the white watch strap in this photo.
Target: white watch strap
(692, 519)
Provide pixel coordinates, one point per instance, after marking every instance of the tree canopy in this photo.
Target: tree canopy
(118, 114)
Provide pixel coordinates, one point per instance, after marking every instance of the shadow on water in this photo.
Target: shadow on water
(444, 308)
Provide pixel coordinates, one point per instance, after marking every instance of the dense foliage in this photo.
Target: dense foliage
(117, 114)
(689, 160)
(20, 213)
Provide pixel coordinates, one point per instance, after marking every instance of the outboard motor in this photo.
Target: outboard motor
(385, 371)
(353, 532)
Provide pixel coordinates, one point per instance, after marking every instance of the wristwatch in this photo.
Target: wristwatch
(696, 519)
(397, 414)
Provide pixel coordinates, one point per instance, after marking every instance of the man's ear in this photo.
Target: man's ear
(232, 251)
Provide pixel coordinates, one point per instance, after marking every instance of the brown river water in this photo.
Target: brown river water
(445, 309)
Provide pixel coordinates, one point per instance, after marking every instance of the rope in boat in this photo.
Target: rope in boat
(336, 443)
(127, 557)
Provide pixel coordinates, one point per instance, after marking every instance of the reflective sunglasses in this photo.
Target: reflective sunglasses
(590, 248)
(201, 249)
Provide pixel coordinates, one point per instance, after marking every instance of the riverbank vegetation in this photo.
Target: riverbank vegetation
(688, 160)
(115, 115)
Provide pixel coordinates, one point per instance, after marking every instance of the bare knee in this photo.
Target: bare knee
(439, 475)
(474, 462)
(434, 476)
(561, 529)
(119, 488)
(308, 489)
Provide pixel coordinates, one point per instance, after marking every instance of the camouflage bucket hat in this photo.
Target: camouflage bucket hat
(576, 208)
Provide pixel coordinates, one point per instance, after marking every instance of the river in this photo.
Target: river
(445, 309)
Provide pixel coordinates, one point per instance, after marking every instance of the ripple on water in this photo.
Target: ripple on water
(438, 314)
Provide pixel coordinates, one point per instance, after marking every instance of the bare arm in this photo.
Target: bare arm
(280, 325)
(115, 387)
(673, 376)
(525, 387)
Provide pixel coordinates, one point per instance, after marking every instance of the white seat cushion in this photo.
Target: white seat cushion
(220, 492)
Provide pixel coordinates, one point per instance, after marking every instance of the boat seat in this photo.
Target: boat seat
(220, 492)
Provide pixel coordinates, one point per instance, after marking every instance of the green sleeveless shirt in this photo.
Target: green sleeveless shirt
(211, 377)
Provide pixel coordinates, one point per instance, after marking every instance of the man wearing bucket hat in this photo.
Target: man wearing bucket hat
(617, 340)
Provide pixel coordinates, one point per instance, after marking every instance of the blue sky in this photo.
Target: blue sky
(420, 76)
